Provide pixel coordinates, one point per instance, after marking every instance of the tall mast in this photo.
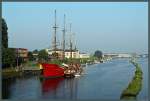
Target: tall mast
(70, 42)
(63, 43)
(55, 30)
(75, 47)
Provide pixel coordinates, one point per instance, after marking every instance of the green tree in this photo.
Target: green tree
(8, 54)
(35, 54)
(4, 34)
(42, 55)
(30, 56)
(8, 57)
(35, 51)
(98, 54)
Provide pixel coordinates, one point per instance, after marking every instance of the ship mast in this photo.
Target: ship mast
(70, 43)
(55, 30)
(75, 45)
(63, 43)
(73, 41)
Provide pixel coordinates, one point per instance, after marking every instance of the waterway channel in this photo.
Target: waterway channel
(99, 81)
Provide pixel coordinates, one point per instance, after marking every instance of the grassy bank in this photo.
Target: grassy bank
(10, 72)
(135, 85)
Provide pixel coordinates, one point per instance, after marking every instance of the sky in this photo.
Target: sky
(111, 27)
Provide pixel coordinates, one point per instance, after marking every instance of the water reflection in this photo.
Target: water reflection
(71, 88)
(6, 85)
(50, 85)
(59, 88)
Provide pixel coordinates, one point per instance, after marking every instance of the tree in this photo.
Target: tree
(98, 54)
(4, 34)
(8, 57)
(42, 55)
(30, 56)
(35, 51)
(8, 54)
(35, 54)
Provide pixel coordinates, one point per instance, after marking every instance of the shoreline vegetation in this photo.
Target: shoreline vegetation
(10, 72)
(17, 71)
(135, 85)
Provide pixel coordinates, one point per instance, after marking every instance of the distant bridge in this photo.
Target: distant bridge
(118, 55)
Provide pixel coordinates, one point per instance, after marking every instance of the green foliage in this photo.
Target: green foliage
(4, 34)
(30, 56)
(35, 57)
(31, 64)
(58, 62)
(42, 55)
(10, 72)
(98, 54)
(84, 60)
(135, 85)
(35, 51)
(8, 57)
(87, 60)
(65, 60)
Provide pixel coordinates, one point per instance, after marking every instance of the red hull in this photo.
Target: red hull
(52, 70)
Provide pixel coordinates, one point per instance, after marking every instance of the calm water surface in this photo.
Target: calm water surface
(100, 81)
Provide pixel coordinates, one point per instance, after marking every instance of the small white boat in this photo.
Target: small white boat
(77, 75)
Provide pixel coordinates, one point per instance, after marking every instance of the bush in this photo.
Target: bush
(58, 62)
(134, 86)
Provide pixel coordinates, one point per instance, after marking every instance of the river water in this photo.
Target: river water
(99, 81)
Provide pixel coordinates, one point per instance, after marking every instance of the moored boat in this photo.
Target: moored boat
(55, 71)
(72, 70)
(69, 73)
(52, 71)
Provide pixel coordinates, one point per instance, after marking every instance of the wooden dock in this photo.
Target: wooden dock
(31, 70)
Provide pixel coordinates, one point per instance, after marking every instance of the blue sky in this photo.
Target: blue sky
(109, 27)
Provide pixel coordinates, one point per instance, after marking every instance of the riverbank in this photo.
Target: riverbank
(18, 71)
(135, 85)
(10, 72)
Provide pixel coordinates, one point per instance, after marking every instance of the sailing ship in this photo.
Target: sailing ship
(67, 70)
